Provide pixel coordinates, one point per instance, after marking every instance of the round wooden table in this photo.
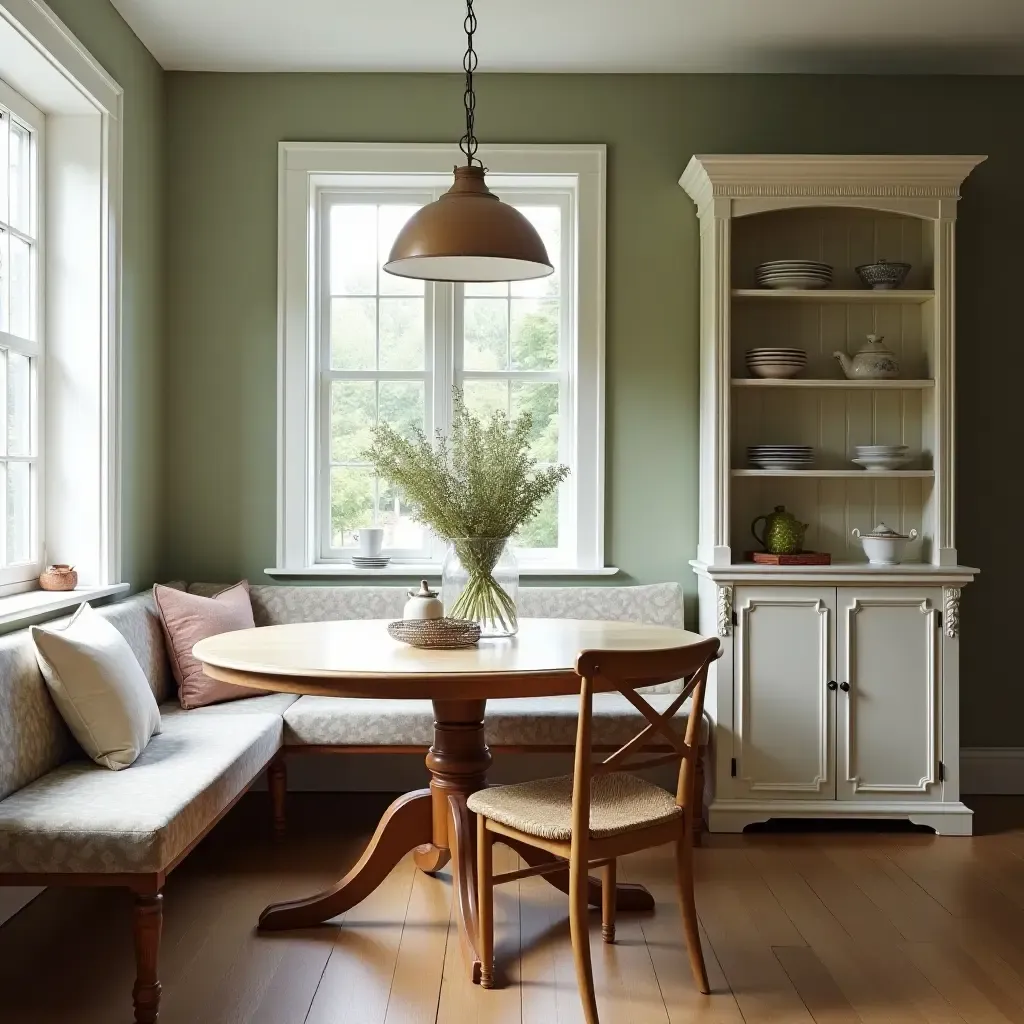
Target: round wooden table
(358, 659)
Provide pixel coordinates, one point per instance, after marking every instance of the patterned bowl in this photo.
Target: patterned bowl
(883, 275)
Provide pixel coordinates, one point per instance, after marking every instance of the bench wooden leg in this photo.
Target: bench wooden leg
(698, 797)
(277, 780)
(147, 925)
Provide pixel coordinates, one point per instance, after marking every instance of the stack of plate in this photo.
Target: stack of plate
(781, 456)
(776, 363)
(367, 562)
(793, 274)
(880, 458)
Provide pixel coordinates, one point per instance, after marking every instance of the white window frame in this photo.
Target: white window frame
(80, 397)
(308, 171)
(32, 118)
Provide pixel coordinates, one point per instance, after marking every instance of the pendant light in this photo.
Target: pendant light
(469, 234)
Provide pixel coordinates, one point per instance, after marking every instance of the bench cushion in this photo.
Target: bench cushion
(268, 704)
(84, 818)
(533, 721)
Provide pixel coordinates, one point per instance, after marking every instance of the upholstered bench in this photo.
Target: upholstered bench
(339, 725)
(67, 821)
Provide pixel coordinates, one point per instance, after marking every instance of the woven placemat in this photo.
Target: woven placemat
(438, 634)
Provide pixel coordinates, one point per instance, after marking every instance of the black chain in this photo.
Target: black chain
(468, 143)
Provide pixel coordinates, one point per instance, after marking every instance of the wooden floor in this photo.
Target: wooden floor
(833, 928)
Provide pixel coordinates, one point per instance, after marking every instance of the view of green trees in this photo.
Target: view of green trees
(501, 331)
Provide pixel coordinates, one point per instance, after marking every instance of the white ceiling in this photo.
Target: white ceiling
(904, 36)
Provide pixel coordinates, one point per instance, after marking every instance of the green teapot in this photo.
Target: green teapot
(783, 532)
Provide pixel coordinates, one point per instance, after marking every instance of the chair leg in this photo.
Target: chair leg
(608, 902)
(147, 925)
(698, 797)
(579, 931)
(485, 901)
(277, 780)
(684, 883)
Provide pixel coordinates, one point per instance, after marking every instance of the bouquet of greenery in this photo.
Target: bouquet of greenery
(474, 489)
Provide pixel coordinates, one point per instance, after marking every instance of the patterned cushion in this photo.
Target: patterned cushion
(33, 737)
(536, 721)
(84, 818)
(268, 704)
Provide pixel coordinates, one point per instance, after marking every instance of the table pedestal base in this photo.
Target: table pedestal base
(438, 826)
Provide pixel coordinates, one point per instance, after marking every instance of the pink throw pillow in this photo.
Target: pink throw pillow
(189, 618)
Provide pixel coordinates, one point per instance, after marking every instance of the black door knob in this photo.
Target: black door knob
(845, 687)
(832, 684)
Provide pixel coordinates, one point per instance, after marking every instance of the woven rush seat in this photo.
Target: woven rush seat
(618, 803)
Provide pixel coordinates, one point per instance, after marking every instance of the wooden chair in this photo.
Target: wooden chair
(624, 813)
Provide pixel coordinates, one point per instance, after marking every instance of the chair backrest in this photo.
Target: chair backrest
(628, 671)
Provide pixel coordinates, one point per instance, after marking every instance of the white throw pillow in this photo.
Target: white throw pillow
(99, 687)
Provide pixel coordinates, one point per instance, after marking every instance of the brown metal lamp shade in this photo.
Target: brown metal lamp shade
(469, 235)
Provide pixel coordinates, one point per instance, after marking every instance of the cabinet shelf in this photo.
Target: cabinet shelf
(839, 385)
(840, 474)
(906, 296)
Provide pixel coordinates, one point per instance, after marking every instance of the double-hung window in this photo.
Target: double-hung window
(21, 343)
(360, 346)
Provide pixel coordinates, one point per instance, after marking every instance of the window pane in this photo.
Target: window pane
(401, 334)
(485, 329)
(353, 414)
(4, 268)
(351, 503)
(542, 531)
(391, 220)
(541, 400)
(4, 122)
(401, 404)
(485, 396)
(21, 288)
(535, 334)
(548, 222)
(400, 531)
(353, 334)
(19, 404)
(21, 178)
(477, 288)
(353, 249)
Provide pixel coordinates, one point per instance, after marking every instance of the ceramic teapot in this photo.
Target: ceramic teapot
(783, 532)
(423, 604)
(873, 362)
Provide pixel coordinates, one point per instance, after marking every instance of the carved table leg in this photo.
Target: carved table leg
(406, 824)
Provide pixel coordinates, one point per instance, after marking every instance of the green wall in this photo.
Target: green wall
(220, 361)
(106, 36)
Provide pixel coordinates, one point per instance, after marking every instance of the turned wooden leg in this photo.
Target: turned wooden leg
(608, 903)
(277, 780)
(485, 901)
(698, 797)
(147, 925)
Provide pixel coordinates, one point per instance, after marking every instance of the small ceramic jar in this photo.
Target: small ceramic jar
(423, 604)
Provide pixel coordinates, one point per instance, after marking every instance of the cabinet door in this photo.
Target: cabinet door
(784, 709)
(888, 720)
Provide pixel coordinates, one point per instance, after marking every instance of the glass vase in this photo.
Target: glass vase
(480, 582)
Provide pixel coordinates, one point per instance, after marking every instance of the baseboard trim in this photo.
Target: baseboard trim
(992, 770)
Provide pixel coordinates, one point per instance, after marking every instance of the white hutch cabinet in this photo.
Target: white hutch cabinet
(837, 694)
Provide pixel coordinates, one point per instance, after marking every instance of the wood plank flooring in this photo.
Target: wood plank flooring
(824, 927)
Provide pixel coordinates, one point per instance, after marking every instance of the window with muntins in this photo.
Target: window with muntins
(21, 342)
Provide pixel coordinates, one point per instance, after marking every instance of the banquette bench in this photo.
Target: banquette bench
(67, 821)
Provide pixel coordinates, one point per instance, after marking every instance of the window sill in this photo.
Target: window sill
(409, 570)
(33, 605)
